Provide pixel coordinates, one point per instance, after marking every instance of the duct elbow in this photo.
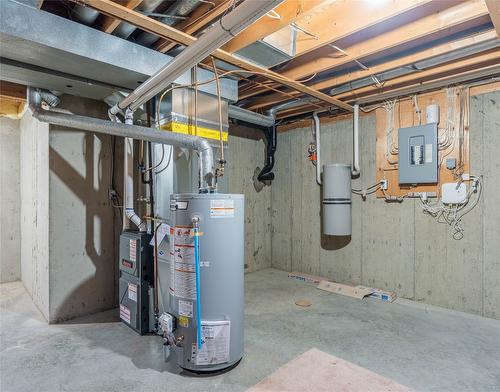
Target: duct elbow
(135, 219)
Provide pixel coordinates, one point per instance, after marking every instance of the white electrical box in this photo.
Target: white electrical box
(452, 193)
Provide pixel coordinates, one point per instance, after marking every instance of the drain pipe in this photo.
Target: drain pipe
(128, 179)
(355, 142)
(317, 128)
(84, 123)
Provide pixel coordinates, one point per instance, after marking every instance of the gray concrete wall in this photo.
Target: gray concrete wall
(34, 185)
(82, 220)
(10, 206)
(243, 156)
(393, 246)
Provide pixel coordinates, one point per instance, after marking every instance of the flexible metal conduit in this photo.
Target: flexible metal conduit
(132, 131)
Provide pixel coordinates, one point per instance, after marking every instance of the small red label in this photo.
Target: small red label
(127, 263)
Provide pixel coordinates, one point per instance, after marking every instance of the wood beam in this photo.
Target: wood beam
(12, 90)
(155, 27)
(289, 11)
(460, 17)
(473, 64)
(110, 24)
(407, 60)
(494, 10)
(202, 16)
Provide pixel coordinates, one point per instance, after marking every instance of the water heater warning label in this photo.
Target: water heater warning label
(221, 208)
(184, 278)
(216, 338)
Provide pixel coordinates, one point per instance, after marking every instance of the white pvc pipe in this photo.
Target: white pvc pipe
(128, 178)
(355, 142)
(317, 127)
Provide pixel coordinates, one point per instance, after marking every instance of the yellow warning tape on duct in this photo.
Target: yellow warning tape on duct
(188, 129)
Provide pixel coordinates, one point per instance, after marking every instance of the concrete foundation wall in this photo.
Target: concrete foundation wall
(393, 245)
(243, 156)
(82, 220)
(10, 206)
(34, 184)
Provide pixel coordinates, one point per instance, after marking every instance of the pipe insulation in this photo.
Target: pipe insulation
(206, 161)
(225, 29)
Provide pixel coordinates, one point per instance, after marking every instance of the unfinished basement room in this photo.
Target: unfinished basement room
(250, 195)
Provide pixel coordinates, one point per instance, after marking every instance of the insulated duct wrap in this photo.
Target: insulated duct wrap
(337, 199)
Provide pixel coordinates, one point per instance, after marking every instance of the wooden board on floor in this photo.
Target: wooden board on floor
(351, 291)
(316, 371)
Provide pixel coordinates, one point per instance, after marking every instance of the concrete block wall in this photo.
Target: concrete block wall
(10, 206)
(393, 245)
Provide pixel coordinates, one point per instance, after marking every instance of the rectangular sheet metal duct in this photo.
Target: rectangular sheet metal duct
(37, 38)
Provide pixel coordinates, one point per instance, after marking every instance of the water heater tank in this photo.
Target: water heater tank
(221, 244)
(337, 199)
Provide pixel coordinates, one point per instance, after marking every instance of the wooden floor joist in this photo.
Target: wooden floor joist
(201, 17)
(287, 12)
(110, 24)
(472, 64)
(494, 10)
(405, 61)
(457, 18)
(155, 27)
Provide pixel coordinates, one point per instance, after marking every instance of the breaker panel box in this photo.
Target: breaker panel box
(418, 155)
(136, 276)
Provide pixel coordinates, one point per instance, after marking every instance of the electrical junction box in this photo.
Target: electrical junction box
(418, 158)
(453, 193)
(135, 265)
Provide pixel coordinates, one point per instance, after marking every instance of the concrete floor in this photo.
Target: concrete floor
(425, 348)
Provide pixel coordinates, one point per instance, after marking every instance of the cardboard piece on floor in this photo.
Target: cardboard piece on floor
(351, 291)
(315, 371)
(305, 277)
(383, 295)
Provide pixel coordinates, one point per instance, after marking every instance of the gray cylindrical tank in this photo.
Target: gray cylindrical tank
(222, 243)
(337, 199)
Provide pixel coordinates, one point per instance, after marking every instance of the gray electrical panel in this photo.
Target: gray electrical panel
(136, 276)
(418, 159)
